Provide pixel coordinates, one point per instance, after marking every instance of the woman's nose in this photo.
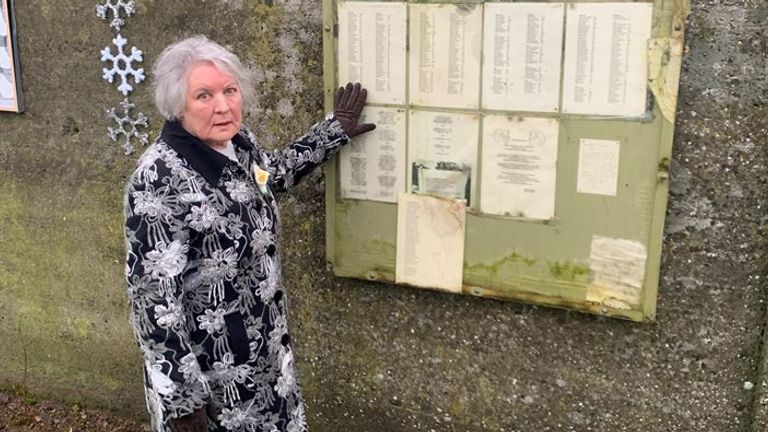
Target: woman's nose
(221, 104)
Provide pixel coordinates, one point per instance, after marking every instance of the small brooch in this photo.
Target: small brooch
(261, 177)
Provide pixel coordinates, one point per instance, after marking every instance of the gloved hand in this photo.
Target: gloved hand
(195, 422)
(349, 104)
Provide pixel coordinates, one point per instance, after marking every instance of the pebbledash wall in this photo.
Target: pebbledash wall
(375, 357)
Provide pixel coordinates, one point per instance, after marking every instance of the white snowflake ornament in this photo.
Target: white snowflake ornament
(117, 21)
(127, 126)
(122, 65)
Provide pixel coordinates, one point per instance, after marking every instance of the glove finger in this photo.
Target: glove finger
(345, 96)
(337, 97)
(355, 94)
(363, 128)
(360, 102)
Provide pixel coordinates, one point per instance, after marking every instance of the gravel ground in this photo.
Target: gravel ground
(18, 414)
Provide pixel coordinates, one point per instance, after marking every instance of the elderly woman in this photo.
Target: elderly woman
(207, 305)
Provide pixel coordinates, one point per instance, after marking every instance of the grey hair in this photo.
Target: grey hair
(172, 69)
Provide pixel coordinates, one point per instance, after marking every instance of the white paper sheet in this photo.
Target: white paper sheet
(522, 54)
(445, 43)
(606, 70)
(618, 272)
(5, 59)
(372, 48)
(6, 88)
(598, 167)
(3, 18)
(442, 144)
(372, 166)
(430, 242)
(519, 166)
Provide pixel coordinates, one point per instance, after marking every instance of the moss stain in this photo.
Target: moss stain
(290, 63)
(58, 304)
(495, 267)
(568, 271)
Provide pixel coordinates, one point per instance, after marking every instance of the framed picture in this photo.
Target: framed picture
(11, 98)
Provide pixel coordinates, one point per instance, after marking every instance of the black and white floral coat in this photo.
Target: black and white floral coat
(207, 303)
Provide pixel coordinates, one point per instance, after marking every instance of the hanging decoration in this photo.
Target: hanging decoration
(117, 21)
(120, 59)
(125, 124)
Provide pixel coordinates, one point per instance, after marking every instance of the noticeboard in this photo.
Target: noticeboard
(521, 150)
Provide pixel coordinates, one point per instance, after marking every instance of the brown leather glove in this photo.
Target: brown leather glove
(349, 104)
(195, 422)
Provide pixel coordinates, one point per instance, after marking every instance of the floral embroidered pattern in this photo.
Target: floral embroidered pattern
(167, 260)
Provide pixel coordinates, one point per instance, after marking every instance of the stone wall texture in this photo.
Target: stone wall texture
(375, 357)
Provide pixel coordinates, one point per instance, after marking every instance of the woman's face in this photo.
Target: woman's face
(212, 111)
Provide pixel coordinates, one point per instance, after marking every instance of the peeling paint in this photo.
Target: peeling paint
(665, 57)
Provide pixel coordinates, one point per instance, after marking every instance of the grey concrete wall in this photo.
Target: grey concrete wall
(375, 357)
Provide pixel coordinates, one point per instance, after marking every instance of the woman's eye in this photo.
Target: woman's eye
(231, 91)
(202, 96)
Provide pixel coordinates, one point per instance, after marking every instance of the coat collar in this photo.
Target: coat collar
(200, 156)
